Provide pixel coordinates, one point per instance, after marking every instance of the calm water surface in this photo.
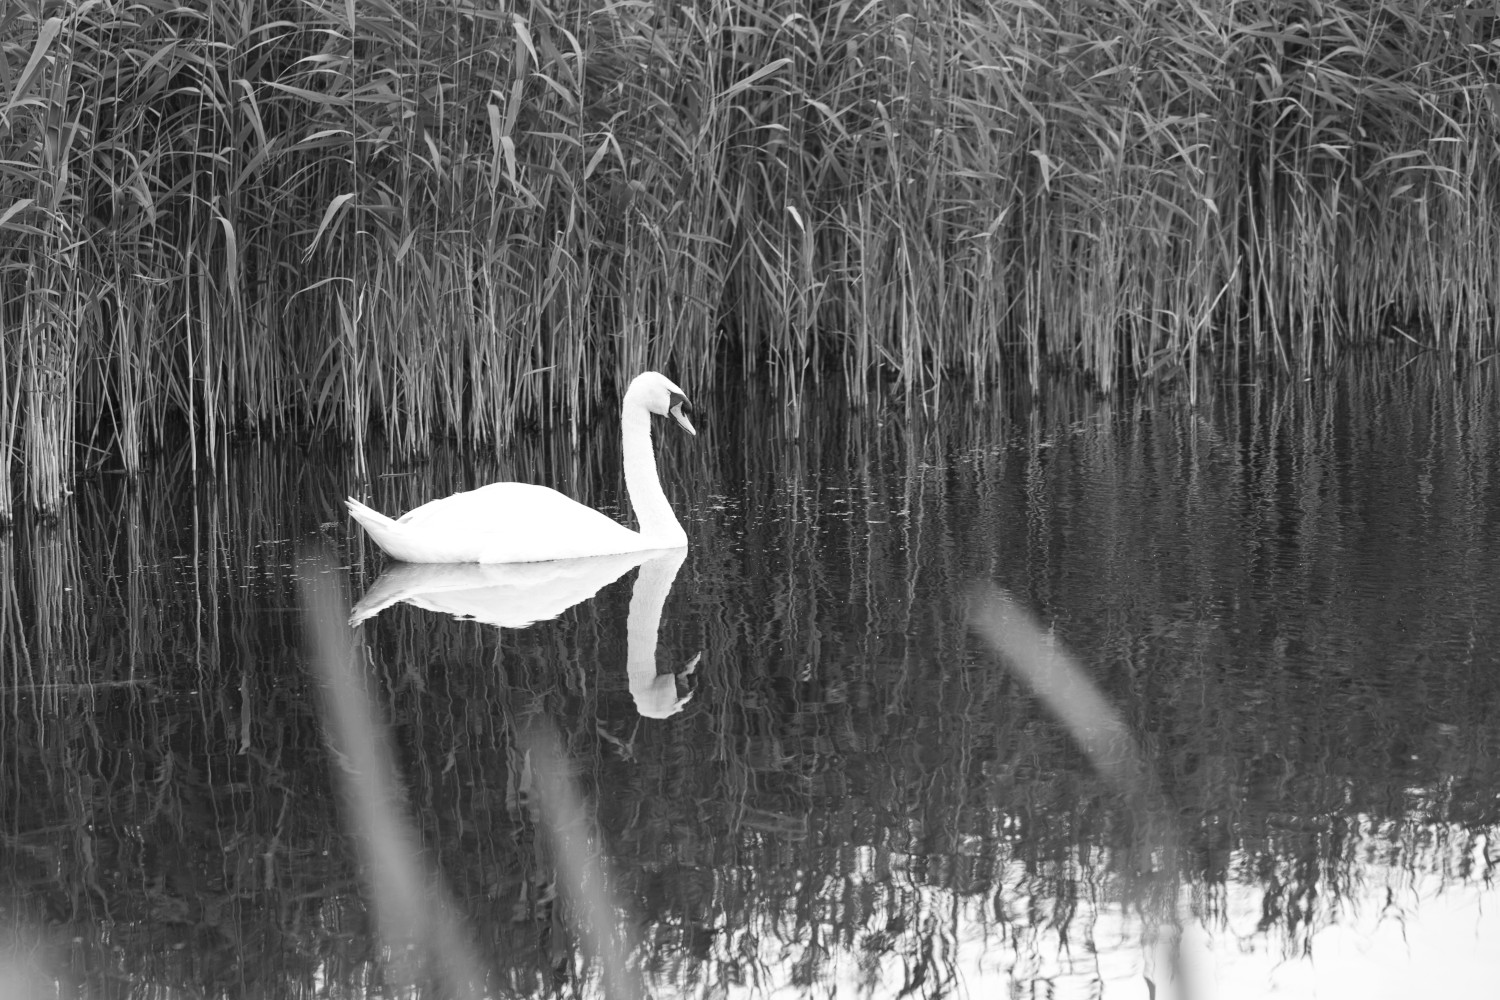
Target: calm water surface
(805, 774)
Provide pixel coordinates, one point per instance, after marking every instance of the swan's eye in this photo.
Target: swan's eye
(676, 399)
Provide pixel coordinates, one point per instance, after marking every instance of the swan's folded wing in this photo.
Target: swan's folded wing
(513, 522)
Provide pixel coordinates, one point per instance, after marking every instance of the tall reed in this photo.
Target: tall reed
(399, 220)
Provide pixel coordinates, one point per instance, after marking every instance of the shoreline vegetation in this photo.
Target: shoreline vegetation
(397, 221)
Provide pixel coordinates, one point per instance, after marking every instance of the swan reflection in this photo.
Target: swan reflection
(517, 595)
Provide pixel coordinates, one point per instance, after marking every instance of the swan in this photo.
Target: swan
(519, 522)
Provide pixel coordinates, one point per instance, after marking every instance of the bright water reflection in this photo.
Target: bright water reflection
(1288, 592)
(521, 594)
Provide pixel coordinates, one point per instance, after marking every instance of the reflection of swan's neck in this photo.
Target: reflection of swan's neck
(655, 694)
(657, 522)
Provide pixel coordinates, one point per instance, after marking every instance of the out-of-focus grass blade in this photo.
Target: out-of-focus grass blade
(27, 969)
(1061, 684)
(413, 913)
(595, 912)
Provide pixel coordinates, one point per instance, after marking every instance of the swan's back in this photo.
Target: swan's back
(501, 522)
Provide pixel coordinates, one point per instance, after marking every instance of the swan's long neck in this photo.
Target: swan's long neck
(654, 514)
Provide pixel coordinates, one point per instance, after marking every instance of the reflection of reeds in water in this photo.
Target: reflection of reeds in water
(1145, 529)
(1064, 687)
(604, 924)
(417, 919)
(48, 655)
(148, 712)
(14, 643)
(419, 927)
(851, 778)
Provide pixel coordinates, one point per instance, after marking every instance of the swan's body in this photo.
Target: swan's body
(519, 522)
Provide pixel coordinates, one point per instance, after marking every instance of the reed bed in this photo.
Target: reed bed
(399, 221)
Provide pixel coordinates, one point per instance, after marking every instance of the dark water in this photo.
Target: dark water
(1288, 592)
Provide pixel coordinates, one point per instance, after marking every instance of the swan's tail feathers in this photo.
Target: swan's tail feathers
(367, 516)
(380, 528)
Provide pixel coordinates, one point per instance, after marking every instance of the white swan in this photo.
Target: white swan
(518, 522)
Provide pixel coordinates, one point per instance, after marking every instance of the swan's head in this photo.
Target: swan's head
(660, 395)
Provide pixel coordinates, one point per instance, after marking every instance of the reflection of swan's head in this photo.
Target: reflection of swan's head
(664, 695)
(660, 395)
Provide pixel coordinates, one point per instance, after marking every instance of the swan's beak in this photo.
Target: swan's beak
(678, 405)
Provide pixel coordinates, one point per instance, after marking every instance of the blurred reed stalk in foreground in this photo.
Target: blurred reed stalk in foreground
(419, 927)
(606, 928)
(418, 921)
(394, 221)
(1061, 684)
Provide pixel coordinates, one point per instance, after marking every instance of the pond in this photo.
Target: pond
(799, 771)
